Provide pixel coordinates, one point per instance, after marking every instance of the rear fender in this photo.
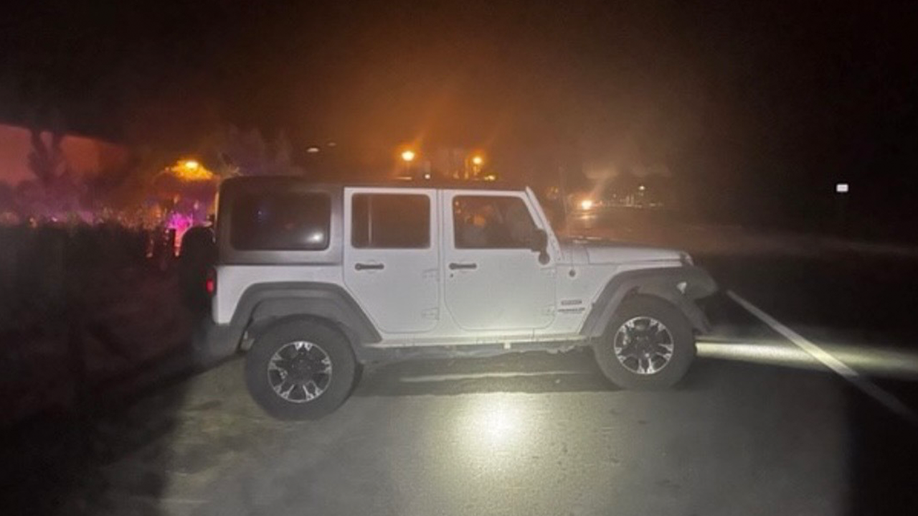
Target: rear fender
(266, 304)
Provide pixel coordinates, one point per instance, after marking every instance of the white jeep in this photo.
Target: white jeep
(314, 280)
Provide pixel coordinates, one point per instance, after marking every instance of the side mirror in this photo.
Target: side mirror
(538, 241)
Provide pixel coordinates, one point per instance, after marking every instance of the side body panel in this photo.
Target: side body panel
(398, 288)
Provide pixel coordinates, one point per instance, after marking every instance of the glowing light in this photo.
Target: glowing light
(210, 284)
(408, 156)
(191, 170)
(477, 160)
(313, 150)
(841, 188)
(496, 422)
(642, 188)
(586, 204)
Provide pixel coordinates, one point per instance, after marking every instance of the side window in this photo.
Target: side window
(390, 221)
(488, 222)
(281, 221)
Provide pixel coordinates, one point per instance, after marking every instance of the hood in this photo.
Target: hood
(600, 251)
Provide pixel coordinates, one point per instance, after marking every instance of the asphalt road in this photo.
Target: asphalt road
(759, 426)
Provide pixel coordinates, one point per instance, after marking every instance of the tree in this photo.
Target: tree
(229, 151)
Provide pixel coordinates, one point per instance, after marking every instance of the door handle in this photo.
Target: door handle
(369, 266)
(466, 266)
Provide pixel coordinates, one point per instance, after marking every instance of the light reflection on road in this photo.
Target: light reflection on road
(870, 361)
(497, 433)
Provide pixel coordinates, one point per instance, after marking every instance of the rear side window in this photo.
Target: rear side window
(281, 221)
(390, 221)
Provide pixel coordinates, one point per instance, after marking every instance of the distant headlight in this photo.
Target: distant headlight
(586, 204)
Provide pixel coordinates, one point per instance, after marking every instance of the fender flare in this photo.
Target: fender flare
(266, 303)
(665, 282)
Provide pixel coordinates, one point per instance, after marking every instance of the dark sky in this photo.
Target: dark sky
(793, 94)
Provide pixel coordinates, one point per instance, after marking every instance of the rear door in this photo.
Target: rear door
(391, 256)
(493, 280)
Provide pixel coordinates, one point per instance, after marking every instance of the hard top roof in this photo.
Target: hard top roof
(444, 184)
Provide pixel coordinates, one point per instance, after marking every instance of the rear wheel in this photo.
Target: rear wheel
(300, 370)
(648, 345)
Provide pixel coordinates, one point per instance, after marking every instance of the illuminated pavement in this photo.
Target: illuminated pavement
(535, 444)
(527, 434)
(759, 426)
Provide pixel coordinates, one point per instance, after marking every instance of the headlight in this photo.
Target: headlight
(586, 204)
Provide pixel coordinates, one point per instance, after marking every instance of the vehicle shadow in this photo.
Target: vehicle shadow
(536, 372)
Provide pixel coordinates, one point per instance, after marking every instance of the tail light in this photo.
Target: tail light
(210, 283)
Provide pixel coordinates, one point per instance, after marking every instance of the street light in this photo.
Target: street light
(190, 170)
(477, 160)
(408, 156)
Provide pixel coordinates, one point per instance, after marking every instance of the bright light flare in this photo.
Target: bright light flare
(496, 423)
(191, 170)
(586, 204)
(477, 160)
(868, 361)
(408, 156)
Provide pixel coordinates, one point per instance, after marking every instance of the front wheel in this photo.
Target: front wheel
(300, 370)
(648, 345)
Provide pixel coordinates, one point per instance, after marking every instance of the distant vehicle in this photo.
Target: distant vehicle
(315, 280)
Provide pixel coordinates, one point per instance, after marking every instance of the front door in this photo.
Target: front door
(493, 280)
(391, 256)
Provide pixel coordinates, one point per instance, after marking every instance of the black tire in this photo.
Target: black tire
(682, 338)
(330, 341)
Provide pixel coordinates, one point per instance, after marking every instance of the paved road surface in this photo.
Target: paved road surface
(759, 426)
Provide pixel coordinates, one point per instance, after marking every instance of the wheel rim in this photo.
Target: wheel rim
(300, 371)
(643, 345)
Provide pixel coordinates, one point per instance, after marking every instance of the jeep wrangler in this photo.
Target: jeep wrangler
(314, 280)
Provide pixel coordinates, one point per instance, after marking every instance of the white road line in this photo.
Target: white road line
(481, 376)
(836, 365)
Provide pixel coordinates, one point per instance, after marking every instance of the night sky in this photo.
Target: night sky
(767, 103)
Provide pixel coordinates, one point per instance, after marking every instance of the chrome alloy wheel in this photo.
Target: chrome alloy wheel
(643, 345)
(300, 371)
